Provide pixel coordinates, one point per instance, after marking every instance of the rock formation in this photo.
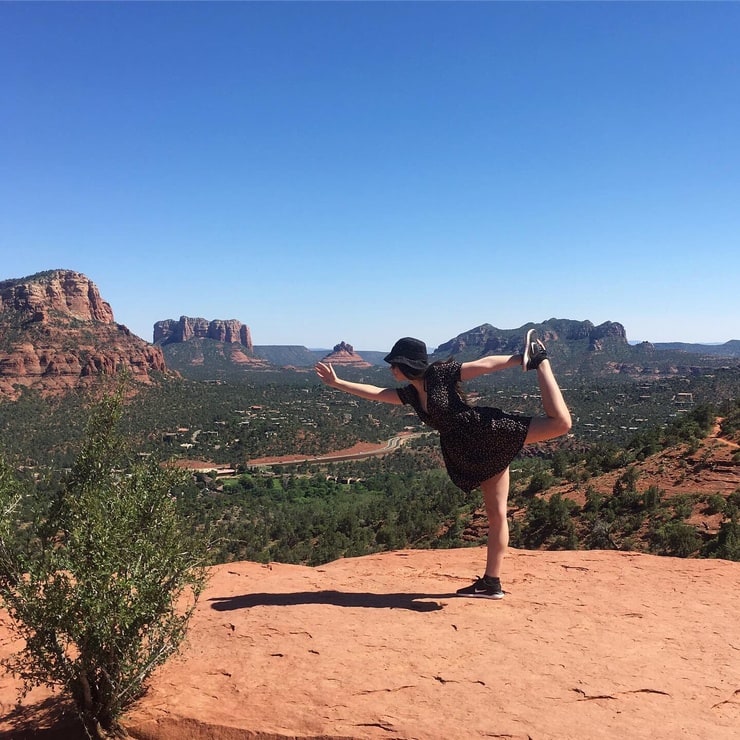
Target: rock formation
(344, 355)
(57, 333)
(57, 294)
(230, 331)
(487, 339)
(200, 349)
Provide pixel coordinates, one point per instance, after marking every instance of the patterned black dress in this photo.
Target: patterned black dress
(477, 442)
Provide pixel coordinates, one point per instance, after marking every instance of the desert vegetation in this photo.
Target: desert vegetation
(99, 570)
(312, 513)
(303, 513)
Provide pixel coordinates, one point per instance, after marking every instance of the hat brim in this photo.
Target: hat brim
(392, 359)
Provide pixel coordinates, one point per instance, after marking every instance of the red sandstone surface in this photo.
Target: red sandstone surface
(585, 645)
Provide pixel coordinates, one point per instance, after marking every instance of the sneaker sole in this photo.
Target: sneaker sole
(526, 357)
(493, 597)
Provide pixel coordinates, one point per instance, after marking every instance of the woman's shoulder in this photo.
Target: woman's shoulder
(447, 369)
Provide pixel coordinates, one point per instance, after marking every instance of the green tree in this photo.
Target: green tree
(726, 544)
(677, 539)
(652, 497)
(541, 480)
(549, 521)
(102, 590)
(627, 481)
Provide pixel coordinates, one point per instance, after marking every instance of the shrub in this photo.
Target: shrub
(677, 538)
(549, 521)
(715, 504)
(541, 480)
(683, 505)
(103, 589)
(651, 498)
(726, 544)
(733, 499)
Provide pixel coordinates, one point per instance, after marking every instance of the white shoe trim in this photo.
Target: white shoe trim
(526, 356)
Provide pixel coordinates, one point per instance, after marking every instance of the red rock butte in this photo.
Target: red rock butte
(58, 333)
(230, 331)
(61, 294)
(344, 355)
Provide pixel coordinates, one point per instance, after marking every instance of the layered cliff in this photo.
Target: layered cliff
(201, 349)
(57, 333)
(60, 295)
(230, 331)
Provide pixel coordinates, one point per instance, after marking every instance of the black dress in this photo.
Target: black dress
(477, 442)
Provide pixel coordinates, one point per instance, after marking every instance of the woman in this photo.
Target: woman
(478, 443)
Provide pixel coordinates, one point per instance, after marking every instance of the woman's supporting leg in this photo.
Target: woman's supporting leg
(496, 495)
(558, 421)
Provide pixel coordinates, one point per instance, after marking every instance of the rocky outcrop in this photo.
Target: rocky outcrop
(586, 644)
(487, 339)
(230, 331)
(344, 355)
(567, 329)
(200, 349)
(57, 333)
(56, 295)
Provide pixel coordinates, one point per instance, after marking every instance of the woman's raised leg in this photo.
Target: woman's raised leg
(557, 420)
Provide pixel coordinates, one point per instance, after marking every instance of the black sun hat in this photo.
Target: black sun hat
(409, 352)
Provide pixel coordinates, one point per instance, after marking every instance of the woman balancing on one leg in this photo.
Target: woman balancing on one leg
(478, 443)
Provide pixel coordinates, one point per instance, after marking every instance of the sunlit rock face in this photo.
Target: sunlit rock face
(57, 333)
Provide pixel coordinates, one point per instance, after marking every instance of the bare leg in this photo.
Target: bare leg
(557, 421)
(495, 495)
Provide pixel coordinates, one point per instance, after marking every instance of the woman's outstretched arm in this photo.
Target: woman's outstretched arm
(489, 364)
(363, 390)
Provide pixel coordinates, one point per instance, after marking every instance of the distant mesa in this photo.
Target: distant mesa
(202, 349)
(230, 331)
(57, 333)
(345, 355)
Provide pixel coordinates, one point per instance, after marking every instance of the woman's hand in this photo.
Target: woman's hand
(326, 373)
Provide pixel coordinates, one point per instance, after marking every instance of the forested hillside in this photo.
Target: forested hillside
(588, 490)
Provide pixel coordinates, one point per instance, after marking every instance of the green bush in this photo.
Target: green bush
(549, 522)
(677, 539)
(541, 480)
(715, 504)
(102, 588)
(652, 497)
(726, 544)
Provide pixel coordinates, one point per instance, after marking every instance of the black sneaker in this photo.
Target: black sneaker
(484, 588)
(534, 352)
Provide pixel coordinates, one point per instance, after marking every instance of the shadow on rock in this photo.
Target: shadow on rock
(414, 602)
(50, 719)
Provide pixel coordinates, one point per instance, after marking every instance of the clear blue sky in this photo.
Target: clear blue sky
(363, 171)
